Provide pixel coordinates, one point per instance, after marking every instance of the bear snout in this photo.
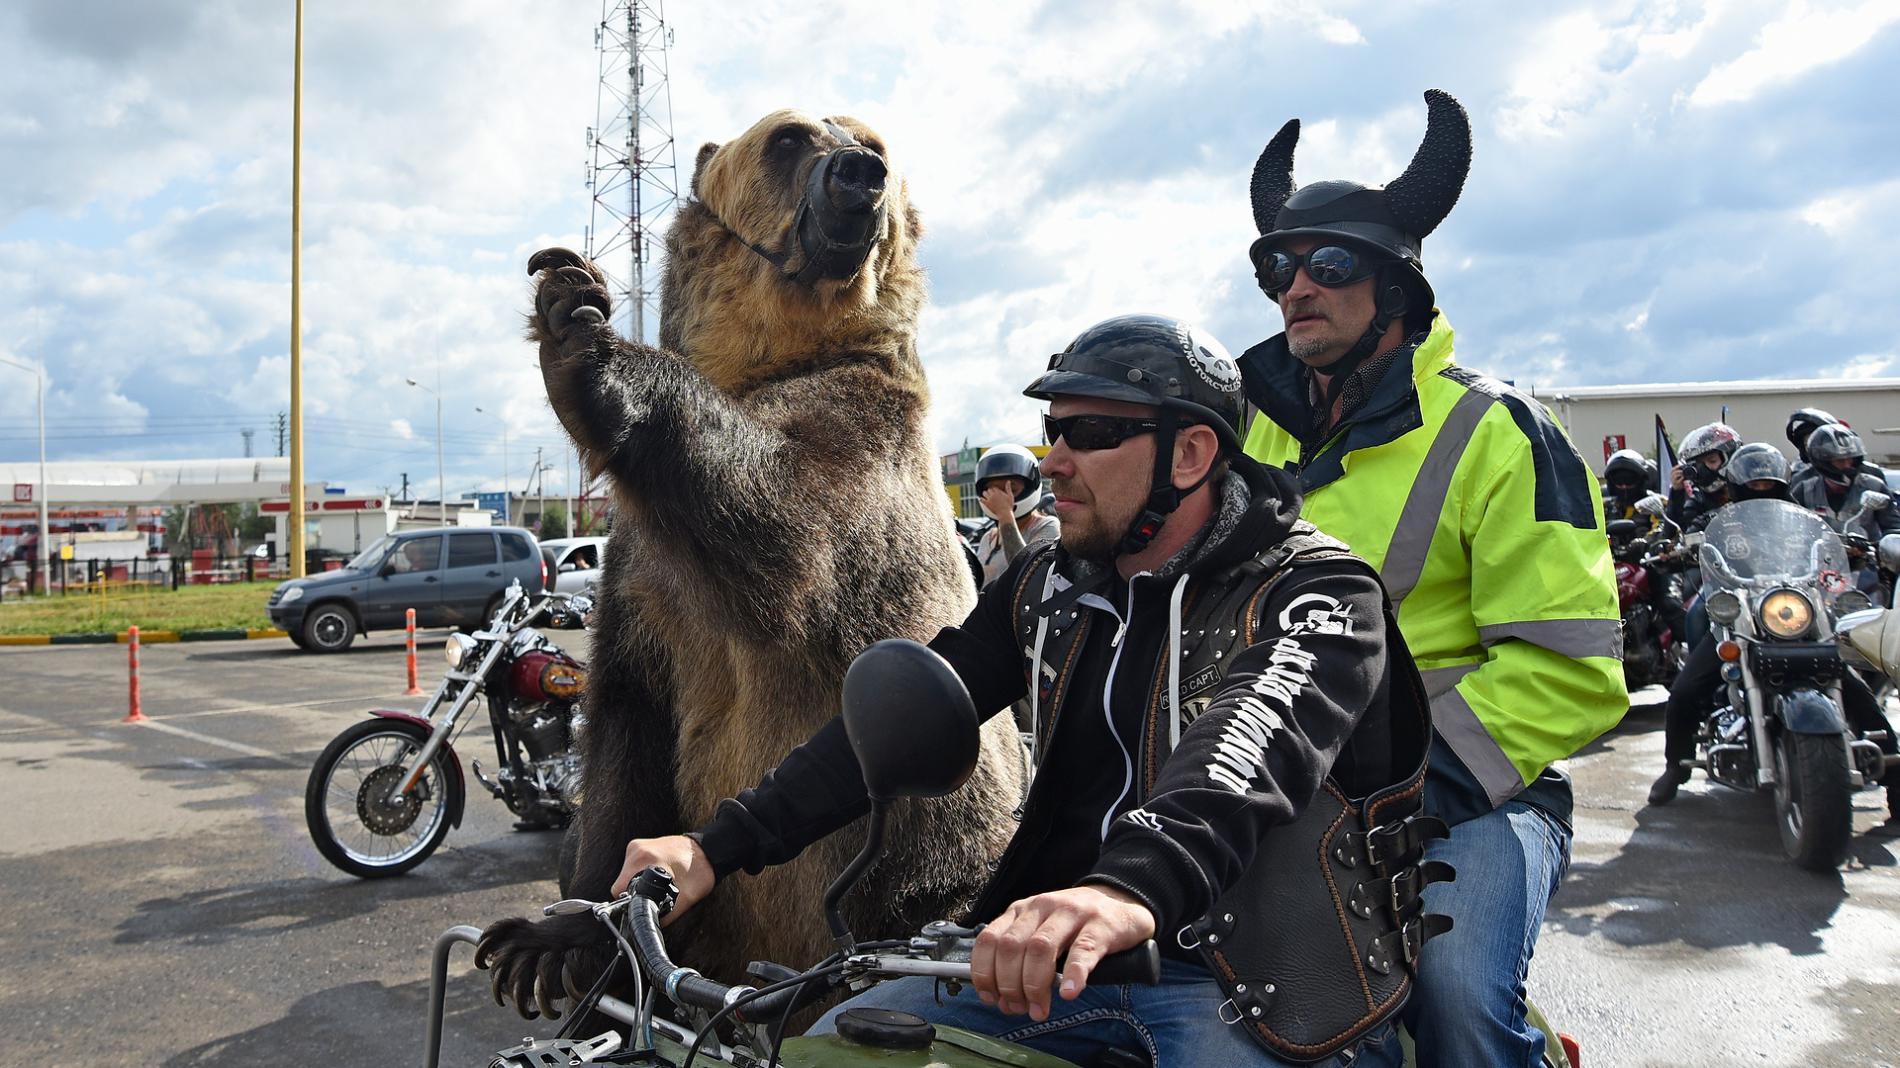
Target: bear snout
(854, 180)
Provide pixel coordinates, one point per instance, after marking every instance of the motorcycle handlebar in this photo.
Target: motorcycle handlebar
(653, 894)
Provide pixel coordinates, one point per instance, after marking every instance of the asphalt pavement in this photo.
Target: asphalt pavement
(164, 905)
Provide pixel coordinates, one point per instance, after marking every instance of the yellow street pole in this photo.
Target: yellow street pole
(296, 309)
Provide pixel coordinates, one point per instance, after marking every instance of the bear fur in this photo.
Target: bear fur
(779, 508)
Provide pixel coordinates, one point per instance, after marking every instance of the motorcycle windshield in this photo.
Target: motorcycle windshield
(1756, 544)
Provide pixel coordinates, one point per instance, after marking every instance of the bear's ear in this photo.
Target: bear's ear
(699, 165)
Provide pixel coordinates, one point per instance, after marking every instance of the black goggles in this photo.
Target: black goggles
(1331, 266)
(1088, 433)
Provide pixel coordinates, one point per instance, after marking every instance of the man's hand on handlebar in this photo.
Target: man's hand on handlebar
(1013, 965)
(691, 869)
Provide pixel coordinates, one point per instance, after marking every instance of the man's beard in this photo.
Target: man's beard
(1314, 352)
(1098, 539)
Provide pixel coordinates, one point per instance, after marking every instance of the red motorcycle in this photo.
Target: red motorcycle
(385, 792)
(1653, 651)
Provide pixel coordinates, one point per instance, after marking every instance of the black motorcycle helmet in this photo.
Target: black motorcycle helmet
(1803, 423)
(1012, 461)
(1389, 223)
(1152, 359)
(1757, 461)
(1832, 443)
(1711, 437)
(1628, 475)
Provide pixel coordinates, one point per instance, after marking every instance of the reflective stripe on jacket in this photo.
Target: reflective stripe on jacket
(1487, 528)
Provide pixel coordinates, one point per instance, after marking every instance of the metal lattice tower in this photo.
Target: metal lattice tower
(630, 169)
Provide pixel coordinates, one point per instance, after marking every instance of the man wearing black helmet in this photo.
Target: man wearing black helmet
(1802, 423)
(1839, 480)
(1627, 478)
(1230, 741)
(1488, 529)
(1757, 471)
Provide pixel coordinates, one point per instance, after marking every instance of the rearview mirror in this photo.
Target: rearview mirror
(1888, 552)
(1875, 501)
(910, 721)
(1653, 505)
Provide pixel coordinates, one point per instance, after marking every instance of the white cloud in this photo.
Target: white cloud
(1800, 41)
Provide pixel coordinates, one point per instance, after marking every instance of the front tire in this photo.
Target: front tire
(1814, 808)
(355, 823)
(329, 628)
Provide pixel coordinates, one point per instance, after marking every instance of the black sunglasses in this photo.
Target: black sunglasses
(1088, 433)
(1331, 266)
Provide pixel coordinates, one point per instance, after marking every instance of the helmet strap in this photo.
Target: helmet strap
(1389, 309)
(1163, 497)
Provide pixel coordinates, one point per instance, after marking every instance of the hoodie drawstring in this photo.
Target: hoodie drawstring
(1035, 681)
(1174, 662)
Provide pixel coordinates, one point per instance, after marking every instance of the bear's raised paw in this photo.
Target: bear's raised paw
(571, 300)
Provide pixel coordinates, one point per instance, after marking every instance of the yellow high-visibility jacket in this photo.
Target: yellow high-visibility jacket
(1488, 530)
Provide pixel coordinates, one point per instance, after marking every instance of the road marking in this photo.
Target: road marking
(235, 747)
(394, 703)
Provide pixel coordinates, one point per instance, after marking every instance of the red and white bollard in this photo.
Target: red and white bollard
(132, 658)
(410, 622)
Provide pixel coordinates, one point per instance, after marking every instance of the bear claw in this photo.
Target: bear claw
(587, 313)
(556, 257)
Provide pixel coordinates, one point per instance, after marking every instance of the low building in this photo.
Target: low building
(1602, 419)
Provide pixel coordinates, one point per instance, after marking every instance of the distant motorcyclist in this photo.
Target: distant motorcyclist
(1839, 479)
(1757, 471)
(1627, 478)
(1009, 487)
(1802, 424)
(1704, 453)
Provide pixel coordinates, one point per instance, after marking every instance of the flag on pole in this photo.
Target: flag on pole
(1665, 457)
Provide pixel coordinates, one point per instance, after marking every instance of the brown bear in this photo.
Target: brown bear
(778, 508)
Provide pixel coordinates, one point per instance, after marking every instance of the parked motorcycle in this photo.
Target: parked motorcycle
(384, 793)
(1774, 576)
(1645, 575)
(914, 732)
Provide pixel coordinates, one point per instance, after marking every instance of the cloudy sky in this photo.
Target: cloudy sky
(1661, 191)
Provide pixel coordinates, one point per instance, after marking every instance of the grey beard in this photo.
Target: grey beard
(1307, 351)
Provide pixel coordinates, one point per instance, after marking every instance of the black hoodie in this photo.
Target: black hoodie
(1110, 804)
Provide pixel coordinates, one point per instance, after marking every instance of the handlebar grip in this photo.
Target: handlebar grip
(1142, 964)
(651, 888)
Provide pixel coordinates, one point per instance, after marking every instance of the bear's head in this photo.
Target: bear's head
(797, 245)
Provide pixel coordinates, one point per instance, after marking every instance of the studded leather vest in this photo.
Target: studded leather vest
(1318, 942)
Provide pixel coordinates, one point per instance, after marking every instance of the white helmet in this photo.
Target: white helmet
(1013, 461)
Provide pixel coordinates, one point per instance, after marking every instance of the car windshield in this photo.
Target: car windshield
(370, 557)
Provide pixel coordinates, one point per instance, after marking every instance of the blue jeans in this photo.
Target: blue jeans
(1177, 1022)
(1468, 1008)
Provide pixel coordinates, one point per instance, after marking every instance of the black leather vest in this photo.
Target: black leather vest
(1318, 942)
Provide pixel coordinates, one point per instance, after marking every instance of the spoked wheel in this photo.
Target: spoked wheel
(1813, 807)
(357, 820)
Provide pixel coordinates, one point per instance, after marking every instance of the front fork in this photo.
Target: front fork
(440, 736)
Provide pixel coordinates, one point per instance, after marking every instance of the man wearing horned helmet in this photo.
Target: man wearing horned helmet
(1487, 529)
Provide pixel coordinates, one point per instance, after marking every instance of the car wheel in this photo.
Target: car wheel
(329, 628)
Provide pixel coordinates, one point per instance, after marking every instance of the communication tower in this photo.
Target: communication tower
(630, 166)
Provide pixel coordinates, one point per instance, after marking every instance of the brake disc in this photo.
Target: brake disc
(381, 812)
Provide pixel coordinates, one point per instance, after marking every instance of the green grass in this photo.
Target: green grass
(239, 604)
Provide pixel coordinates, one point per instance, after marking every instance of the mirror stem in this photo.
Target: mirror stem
(873, 845)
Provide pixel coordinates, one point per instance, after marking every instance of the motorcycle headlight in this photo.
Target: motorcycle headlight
(457, 648)
(1786, 614)
(1724, 607)
(291, 594)
(1850, 601)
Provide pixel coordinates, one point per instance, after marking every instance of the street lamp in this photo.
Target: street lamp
(507, 505)
(39, 393)
(441, 493)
